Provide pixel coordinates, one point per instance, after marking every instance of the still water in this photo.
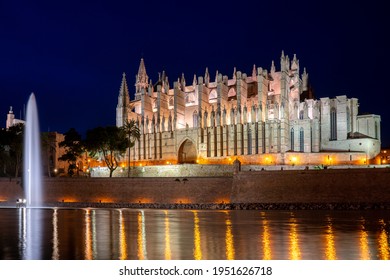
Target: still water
(180, 234)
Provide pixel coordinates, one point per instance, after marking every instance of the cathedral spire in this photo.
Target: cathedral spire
(123, 106)
(141, 78)
(123, 90)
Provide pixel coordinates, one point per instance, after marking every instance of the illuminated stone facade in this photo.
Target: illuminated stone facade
(266, 117)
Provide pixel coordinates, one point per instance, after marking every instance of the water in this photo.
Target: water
(180, 234)
(32, 175)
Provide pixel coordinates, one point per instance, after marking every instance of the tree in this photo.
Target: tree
(11, 147)
(132, 133)
(73, 150)
(108, 143)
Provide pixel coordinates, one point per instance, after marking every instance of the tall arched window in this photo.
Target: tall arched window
(213, 96)
(301, 140)
(333, 124)
(348, 121)
(292, 139)
(376, 130)
(249, 141)
(301, 115)
(195, 119)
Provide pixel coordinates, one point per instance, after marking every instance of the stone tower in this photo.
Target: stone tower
(123, 106)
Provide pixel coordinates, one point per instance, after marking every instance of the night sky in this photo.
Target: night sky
(72, 54)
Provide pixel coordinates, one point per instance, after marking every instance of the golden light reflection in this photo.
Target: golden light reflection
(88, 252)
(363, 242)
(330, 249)
(383, 244)
(56, 253)
(197, 244)
(122, 237)
(266, 240)
(229, 238)
(294, 250)
(141, 237)
(168, 254)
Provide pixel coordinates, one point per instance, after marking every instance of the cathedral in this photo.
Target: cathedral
(267, 117)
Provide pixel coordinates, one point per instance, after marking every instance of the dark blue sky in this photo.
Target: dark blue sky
(72, 54)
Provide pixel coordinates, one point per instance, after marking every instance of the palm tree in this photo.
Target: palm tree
(132, 132)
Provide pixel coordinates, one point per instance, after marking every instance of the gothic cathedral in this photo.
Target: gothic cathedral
(265, 117)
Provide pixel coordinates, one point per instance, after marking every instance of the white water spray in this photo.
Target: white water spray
(32, 183)
(32, 156)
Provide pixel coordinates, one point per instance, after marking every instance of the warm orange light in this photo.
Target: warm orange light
(140, 164)
(294, 160)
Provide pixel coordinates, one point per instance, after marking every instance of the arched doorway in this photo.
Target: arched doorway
(187, 152)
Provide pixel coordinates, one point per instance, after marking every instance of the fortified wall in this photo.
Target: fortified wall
(270, 187)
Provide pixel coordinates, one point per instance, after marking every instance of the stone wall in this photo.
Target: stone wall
(312, 186)
(272, 187)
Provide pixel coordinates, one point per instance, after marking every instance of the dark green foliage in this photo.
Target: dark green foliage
(73, 150)
(11, 150)
(107, 143)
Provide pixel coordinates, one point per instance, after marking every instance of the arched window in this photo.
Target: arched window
(292, 139)
(195, 119)
(154, 106)
(301, 115)
(249, 141)
(213, 96)
(348, 121)
(301, 140)
(376, 130)
(171, 103)
(231, 92)
(333, 124)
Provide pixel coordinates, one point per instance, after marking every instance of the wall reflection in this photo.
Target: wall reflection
(124, 234)
(266, 240)
(197, 242)
(383, 243)
(363, 242)
(141, 237)
(122, 237)
(88, 251)
(229, 238)
(294, 250)
(168, 254)
(330, 249)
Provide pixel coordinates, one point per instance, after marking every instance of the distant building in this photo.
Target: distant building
(51, 150)
(11, 120)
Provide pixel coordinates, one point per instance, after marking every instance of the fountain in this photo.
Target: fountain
(32, 157)
(32, 183)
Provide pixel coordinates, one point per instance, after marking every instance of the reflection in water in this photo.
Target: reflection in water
(197, 244)
(363, 242)
(229, 238)
(295, 252)
(167, 237)
(267, 252)
(56, 252)
(22, 231)
(88, 251)
(109, 233)
(383, 244)
(141, 237)
(330, 250)
(122, 237)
